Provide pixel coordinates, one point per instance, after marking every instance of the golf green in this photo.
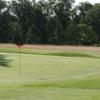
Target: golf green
(49, 75)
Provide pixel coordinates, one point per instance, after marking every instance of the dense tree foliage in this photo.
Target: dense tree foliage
(49, 21)
(93, 18)
(5, 19)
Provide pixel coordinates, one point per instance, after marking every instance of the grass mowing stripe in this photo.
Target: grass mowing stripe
(78, 84)
(63, 54)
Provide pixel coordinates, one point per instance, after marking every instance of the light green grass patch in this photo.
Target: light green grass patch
(50, 75)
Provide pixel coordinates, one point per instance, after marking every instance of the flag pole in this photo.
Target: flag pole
(20, 70)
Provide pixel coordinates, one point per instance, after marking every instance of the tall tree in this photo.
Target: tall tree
(79, 12)
(4, 22)
(62, 18)
(93, 18)
(22, 9)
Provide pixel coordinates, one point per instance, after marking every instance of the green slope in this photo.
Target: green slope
(49, 76)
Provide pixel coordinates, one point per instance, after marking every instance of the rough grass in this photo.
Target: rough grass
(50, 75)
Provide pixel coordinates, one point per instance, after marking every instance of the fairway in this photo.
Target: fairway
(49, 74)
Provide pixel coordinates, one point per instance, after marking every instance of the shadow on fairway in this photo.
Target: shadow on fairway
(4, 62)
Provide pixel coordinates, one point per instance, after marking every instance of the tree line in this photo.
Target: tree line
(50, 22)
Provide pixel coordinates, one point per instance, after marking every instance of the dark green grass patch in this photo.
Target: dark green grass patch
(78, 84)
(46, 52)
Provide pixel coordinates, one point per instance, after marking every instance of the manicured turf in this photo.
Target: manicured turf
(49, 75)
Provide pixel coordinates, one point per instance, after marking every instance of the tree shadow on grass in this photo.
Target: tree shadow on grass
(4, 62)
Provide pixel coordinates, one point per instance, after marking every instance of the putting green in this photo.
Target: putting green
(49, 75)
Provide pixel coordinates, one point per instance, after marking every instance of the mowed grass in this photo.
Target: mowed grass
(49, 75)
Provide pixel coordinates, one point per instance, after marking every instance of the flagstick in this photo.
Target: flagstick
(20, 72)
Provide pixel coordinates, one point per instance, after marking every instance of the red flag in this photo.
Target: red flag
(19, 45)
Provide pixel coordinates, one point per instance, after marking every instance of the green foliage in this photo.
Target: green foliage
(5, 20)
(93, 18)
(49, 21)
(86, 35)
(72, 35)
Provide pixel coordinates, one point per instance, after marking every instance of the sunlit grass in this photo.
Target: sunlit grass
(50, 75)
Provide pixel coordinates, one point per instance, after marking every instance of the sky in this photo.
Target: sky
(91, 1)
